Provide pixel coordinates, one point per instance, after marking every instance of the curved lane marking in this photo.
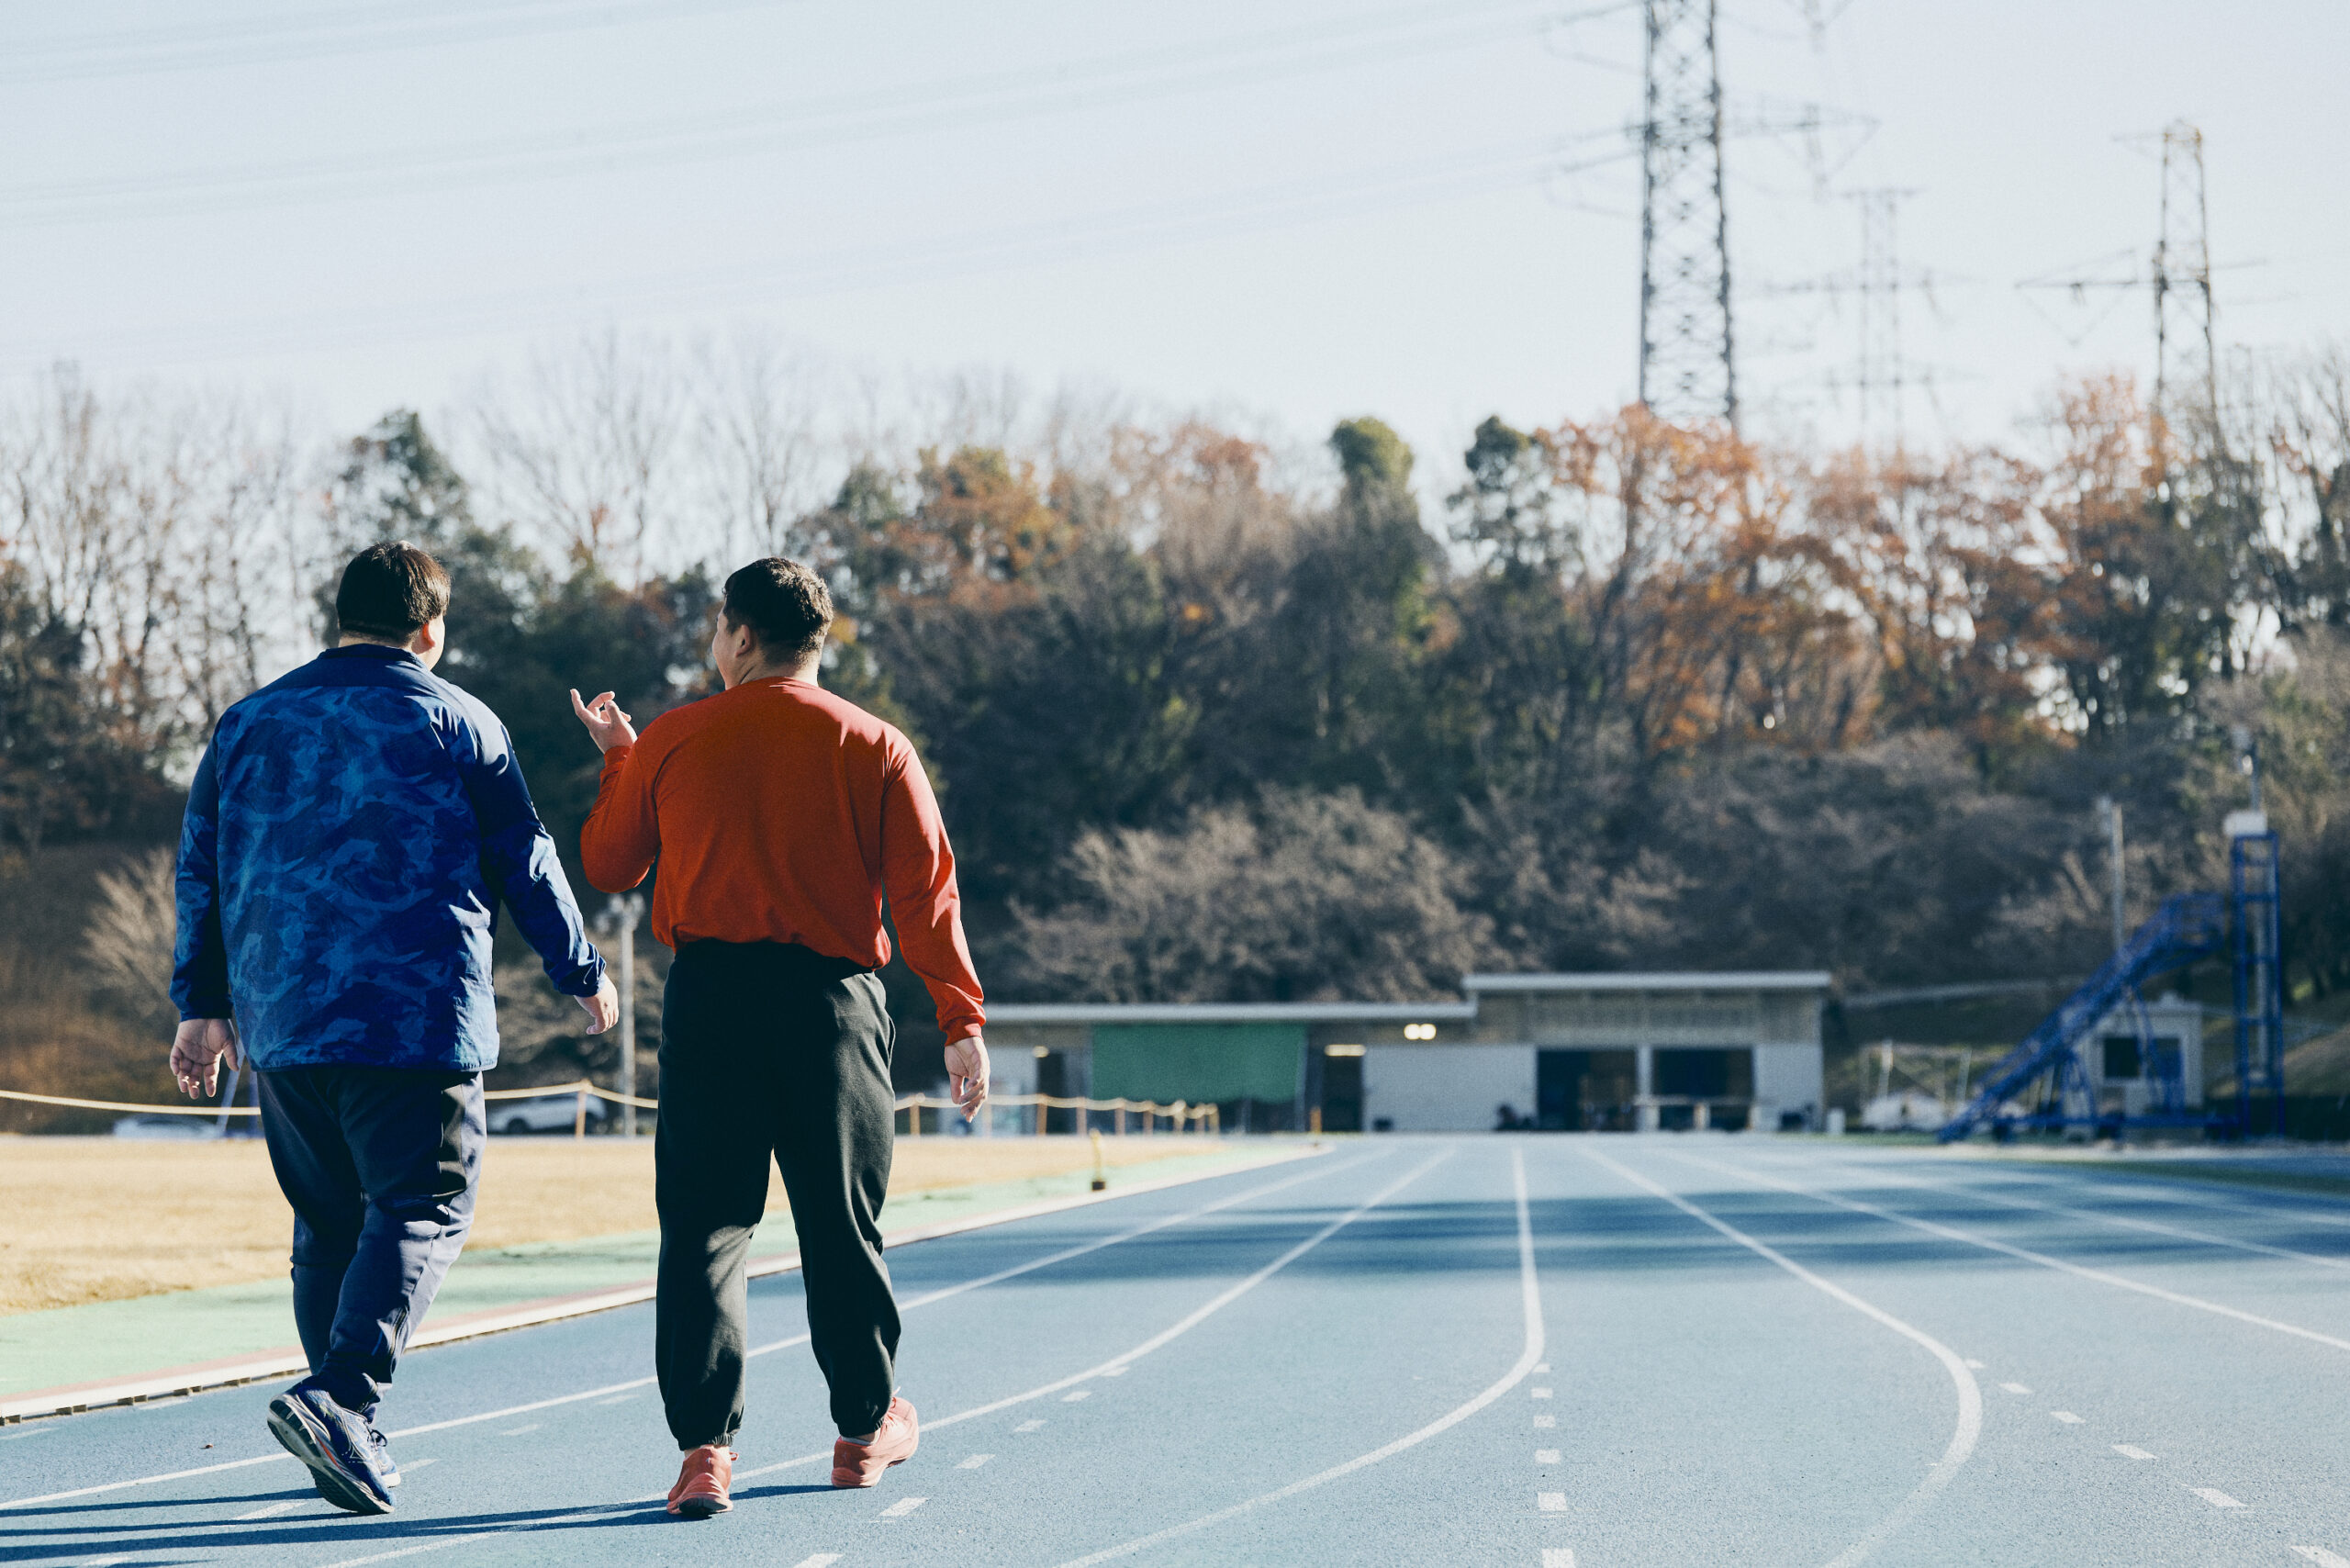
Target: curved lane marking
(2079, 1271)
(1964, 1435)
(1530, 1297)
(606, 1511)
(1319, 1168)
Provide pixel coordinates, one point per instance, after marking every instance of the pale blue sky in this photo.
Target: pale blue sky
(1111, 192)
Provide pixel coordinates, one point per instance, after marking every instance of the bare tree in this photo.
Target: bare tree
(130, 934)
(757, 450)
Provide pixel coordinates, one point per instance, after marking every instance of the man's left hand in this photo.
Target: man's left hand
(198, 1050)
(603, 1008)
(967, 1069)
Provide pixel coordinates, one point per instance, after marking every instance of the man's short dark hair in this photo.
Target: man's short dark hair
(389, 591)
(787, 606)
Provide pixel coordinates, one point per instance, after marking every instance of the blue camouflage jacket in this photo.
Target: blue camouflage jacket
(348, 838)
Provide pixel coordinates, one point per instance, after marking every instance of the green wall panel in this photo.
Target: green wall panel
(1198, 1062)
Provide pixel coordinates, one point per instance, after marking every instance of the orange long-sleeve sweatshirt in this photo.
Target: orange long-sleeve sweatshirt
(782, 813)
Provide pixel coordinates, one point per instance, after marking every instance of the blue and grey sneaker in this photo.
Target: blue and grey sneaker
(384, 1462)
(335, 1443)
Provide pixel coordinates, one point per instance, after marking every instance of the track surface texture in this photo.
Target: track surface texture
(1547, 1352)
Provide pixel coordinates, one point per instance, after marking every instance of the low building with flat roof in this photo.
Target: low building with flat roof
(1560, 1052)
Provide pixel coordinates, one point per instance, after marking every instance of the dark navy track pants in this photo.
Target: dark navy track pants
(380, 1165)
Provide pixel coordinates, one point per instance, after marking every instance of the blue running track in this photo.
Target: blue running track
(1547, 1352)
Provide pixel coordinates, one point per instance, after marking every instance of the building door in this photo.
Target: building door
(1342, 1093)
(1052, 1078)
(1557, 1090)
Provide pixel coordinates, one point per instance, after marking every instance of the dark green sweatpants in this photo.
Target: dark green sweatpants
(770, 1050)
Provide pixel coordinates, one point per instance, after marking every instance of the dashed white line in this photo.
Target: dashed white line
(2321, 1557)
(1542, 1367)
(1550, 1502)
(976, 1460)
(1558, 1557)
(2131, 1451)
(1546, 1456)
(1075, 1394)
(265, 1513)
(1541, 1394)
(1965, 1433)
(1545, 1420)
(902, 1507)
(418, 1464)
(1975, 1364)
(2214, 1496)
(518, 1431)
(617, 1399)
(1117, 1371)
(1027, 1426)
(2015, 1388)
(2066, 1416)
(28, 1432)
(821, 1559)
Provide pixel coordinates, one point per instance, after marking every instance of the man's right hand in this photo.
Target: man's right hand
(196, 1053)
(607, 726)
(604, 1007)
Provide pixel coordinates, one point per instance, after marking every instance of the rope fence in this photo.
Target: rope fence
(1179, 1116)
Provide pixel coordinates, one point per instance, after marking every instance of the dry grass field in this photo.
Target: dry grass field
(100, 1219)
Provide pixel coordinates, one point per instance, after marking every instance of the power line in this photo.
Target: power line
(941, 258)
(226, 43)
(1123, 77)
(1687, 364)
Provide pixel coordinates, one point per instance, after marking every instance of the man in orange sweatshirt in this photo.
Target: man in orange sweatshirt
(782, 817)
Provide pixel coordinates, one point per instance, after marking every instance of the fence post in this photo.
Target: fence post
(1040, 1116)
(580, 1111)
(1122, 1118)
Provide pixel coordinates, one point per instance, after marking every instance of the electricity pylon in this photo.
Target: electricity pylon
(1687, 370)
(2185, 384)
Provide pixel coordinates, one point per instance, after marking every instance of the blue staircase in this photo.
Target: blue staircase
(2187, 927)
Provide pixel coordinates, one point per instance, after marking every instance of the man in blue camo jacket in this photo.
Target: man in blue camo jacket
(349, 836)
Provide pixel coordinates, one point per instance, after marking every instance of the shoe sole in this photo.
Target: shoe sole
(854, 1479)
(297, 1430)
(701, 1508)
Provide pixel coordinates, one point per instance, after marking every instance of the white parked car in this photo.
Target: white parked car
(154, 1126)
(543, 1114)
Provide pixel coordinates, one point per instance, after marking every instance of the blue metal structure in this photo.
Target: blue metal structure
(2187, 927)
(2259, 989)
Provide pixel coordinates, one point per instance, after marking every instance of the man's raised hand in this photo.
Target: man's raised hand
(967, 1069)
(197, 1053)
(607, 726)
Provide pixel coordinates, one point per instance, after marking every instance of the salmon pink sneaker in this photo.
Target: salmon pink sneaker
(861, 1464)
(701, 1485)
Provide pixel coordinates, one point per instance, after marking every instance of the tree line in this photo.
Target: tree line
(1216, 718)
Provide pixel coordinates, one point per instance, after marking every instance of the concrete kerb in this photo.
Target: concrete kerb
(202, 1377)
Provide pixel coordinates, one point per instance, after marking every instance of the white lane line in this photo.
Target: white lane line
(976, 1460)
(617, 1399)
(902, 1507)
(1964, 1435)
(518, 1431)
(2214, 1496)
(1028, 1426)
(418, 1464)
(1115, 1371)
(1550, 1502)
(1075, 1394)
(2124, 1222)
(1542, 1392)
(2078, 1271)
(28, 1432)
(633, 1384)
(1182, 1325)
(821, 1559)
(2131, 1451)
(1531, 1304)
(1558, 1557)
(1542, 1367)
(273, 1508)
(2066, 1416)
(2015, 1388)
(1545, 1420)
(2321, 1557)
(1546, 1456)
